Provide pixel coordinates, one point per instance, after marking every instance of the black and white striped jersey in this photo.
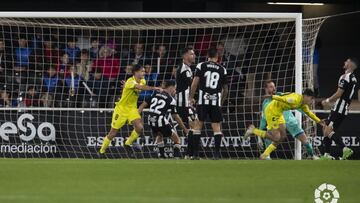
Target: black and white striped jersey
(212, 79)
(161, 105)
(184, 77)
(348, 83)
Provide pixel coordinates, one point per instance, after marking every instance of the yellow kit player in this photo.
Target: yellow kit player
(126, 109)
(276, 130)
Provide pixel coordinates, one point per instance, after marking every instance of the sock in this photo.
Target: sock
(218, 137)
(269, 149)
(177, 152)
(196, 143)
(133, 136)
(190, 140)
(161, 148)
(105, 144)
(309, 149)
(260, 133)
(327, 145)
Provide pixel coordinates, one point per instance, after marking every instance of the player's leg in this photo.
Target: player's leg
(135, 119)
(184, 115)
(176, 139)
(277, 130)
(217, 137)
(198, 125)
(118, 121)
(329, 131)
(159, 140)
(309, 149)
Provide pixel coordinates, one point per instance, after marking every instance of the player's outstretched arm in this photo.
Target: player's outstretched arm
(147, 88)
(180, 122)
(334, 97)
(194, 86)
(310, 114)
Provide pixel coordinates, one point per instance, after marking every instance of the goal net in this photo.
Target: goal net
(60, 76)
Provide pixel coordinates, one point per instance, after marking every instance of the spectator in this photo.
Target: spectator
(107, 63)
(151, 80)
(83, 40)
(5, 60)
(136, 56)
(51, 53)
(84, 67)
(94, 49)
(51, 80)
(62, 65)
(99, 85)
(163, 62)
(5, 100)
(31, 97)
(72, 81)
(23, 55)
(72, 50)
(46, 100)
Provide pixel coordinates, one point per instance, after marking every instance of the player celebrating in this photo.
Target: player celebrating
(343, 96)
(161, 104)
(211, 79)
(126, 109)
(184, 78)
(292, 124)
(276, 129)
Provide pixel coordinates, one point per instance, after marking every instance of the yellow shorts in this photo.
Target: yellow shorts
(273, 119)
(122, 115)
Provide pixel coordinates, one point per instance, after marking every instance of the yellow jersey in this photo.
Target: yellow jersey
(130, 94)
(291, 101)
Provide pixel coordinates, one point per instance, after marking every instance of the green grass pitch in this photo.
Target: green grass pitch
(173, 181)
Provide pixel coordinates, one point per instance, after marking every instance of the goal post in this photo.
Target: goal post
(256, 47)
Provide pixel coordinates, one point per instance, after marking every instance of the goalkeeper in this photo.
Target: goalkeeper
(276, 129)
(126, 109)
(292, 124)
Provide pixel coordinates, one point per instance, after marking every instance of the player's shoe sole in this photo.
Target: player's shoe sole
(347, 152)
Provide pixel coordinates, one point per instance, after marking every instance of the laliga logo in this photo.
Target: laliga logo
(10, 128)
(326, 193)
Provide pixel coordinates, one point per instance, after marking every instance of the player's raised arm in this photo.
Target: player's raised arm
(308, 97)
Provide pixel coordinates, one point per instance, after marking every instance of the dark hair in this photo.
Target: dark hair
(354, 60)
(309, 92)
(267, 82)
(30, 87)
(169, 83)
(186, 50)
(94, 39)
(212, 52)
(135, 68)
(85, 51)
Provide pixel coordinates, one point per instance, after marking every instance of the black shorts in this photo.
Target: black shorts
(214, 113)
(166, 130)
(335, 119)
(186, 114)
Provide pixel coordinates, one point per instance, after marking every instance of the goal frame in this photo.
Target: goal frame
(296, 16)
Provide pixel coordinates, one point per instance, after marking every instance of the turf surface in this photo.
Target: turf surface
(168, 181)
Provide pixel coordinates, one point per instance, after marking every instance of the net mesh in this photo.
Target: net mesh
(60, 78)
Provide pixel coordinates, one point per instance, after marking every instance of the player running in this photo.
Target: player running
(211, 79)
(346, 89)
(276, 129)
(161, 105)
(126, 109)
(292, 124)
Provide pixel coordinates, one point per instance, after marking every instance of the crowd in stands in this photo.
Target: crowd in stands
(45, 71)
